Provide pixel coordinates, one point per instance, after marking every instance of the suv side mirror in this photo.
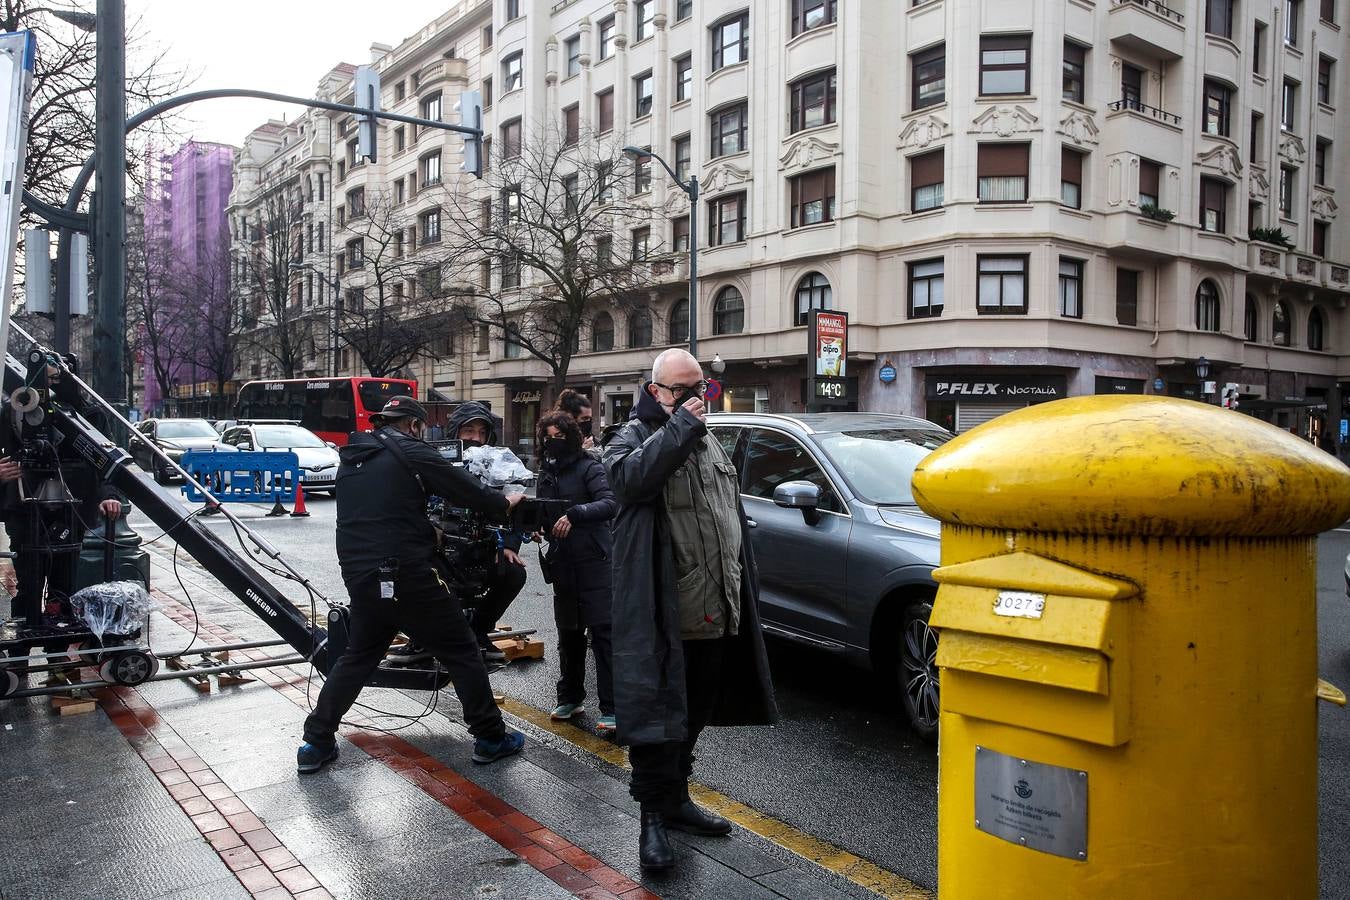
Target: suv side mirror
(801, 495)
(330, 445)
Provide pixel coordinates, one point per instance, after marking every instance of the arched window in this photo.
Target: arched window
(1252, 319)
(1207, 306)
(728, 312)
(602, 333)
(1316, 330)
(640, 328)
(1280, 324)
(679, 322)
(813, 292)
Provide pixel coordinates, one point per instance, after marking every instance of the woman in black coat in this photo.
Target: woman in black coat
(577, 562)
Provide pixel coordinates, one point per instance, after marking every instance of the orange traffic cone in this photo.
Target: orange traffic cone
(299, 508)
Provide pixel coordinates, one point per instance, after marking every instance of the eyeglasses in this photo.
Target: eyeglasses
(678, 390)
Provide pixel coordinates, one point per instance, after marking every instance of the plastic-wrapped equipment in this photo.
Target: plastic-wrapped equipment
(496, 466)
(115, 607)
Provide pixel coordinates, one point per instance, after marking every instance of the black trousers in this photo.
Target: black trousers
(572, 661)
(423, 608)
(502, 591)
(661, 771)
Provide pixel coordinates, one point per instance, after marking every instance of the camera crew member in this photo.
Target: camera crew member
(386, 547)
(475, 425)
(95, 501)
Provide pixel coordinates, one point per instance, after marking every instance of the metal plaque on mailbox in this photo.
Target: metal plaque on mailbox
(1035, 805)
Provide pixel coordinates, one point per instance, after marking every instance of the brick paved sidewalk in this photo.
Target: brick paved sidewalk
(167, 792)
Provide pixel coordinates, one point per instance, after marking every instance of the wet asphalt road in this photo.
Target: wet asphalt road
(842, 765)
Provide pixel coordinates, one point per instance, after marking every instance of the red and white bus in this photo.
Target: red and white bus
(330, 407)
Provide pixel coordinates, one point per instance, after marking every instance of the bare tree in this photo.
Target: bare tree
(272, 316)
(154, 326)
(206, 296)
(394, 308)
(556, 221)
(61, 117)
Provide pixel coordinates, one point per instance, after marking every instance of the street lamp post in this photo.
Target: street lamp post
(690, 187)
(335, 285)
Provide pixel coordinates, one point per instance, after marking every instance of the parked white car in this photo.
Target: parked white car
(318, 458)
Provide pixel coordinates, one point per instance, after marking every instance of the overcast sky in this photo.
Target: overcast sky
(276, 45)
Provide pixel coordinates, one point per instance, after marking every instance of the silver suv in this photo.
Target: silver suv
(845, 556)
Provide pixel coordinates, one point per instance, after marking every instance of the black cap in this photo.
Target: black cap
(398, 408)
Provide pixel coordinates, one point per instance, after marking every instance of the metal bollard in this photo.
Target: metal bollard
(1128, 652)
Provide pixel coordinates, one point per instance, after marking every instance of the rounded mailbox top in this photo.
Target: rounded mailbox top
(1136, 465)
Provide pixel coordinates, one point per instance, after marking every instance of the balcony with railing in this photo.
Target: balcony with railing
(1148, 26)
(1129, 104)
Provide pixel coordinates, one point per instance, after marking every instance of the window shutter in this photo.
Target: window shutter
(1148, 178)
(1071, 166)
(1002, 160)
(926, 168)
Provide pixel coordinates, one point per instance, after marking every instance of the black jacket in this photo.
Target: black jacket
(381, 508)
(579, 564)
(649, 678)
(467, 412)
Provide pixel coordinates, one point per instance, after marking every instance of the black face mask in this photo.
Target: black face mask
(586, 427)
(556, 447)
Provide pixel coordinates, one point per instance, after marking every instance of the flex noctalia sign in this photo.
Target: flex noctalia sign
(995, 388)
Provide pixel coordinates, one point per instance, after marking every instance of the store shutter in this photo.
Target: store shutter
(968, 415)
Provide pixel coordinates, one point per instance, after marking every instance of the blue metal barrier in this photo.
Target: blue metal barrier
(252, 476)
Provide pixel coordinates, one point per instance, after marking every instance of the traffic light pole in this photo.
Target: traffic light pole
(110, 191)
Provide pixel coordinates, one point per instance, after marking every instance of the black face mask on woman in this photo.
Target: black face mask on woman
(585, 427)
(556, 447)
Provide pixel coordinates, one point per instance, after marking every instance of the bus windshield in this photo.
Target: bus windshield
(375, 394)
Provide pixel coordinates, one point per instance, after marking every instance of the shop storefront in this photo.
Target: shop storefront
(521, 415)
(960, 400)
(1107, 385)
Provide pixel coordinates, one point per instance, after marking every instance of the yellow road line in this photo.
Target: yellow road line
(824, 854)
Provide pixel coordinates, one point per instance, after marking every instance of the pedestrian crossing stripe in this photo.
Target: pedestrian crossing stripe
(847, 865)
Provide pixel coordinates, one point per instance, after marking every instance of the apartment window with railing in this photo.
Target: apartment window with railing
(643, 87)
(607, 38)
(926, 289)
(684, 77)
(572, 52)
(1218, 102)
(1071, 178)
(1005, 65)
(1219, 17)
(604, 111)
(1288, 183)
(513, 72)
(808, 14)
(431, 107)
(728, 130)
(1325, 67)
(731, 41)
(812, 198)
(1213, 205)
(1002, 284)
(726, 220)
(929, 70)
(430, 166)
(356, 253)
(429, 226)
(926, 180)
(1070, 287)
(356, 202)
(1321, 153)
(813, 101)
(643, 13)
(1292, 8)
(1132, 87)
(1002, 172)
(1289, 105)
(1075, 70)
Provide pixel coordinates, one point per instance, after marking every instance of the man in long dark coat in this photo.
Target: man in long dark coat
(689, 650)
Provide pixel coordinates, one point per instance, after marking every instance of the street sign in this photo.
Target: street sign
(886, 373)
(714, 391)
(16, 77)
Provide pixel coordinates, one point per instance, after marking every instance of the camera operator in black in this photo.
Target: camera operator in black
(95, 500)
(386, 547)
(475, 425)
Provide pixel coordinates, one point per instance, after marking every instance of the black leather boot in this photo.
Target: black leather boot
(654, 851)
(691, 818)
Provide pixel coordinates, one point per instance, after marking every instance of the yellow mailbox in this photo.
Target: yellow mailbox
(1128, 648)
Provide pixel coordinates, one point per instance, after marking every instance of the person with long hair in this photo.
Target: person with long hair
(577, 561)
(578, 406)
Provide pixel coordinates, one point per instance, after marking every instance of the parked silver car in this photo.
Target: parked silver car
(845, 556)
(318, 458)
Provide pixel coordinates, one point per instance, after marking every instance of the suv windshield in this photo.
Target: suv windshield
(286, 436)
(879, 464)
(186, 428)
